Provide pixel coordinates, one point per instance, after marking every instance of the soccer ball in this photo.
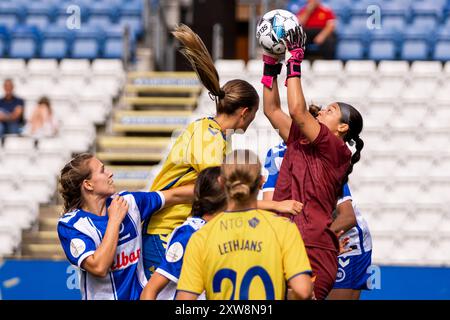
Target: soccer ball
(273, 27)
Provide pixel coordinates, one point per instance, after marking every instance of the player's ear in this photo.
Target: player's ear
(244, 112)
(87, 185)
(221, 182)
(261, 183)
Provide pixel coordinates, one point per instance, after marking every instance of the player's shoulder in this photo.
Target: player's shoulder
(70, 217)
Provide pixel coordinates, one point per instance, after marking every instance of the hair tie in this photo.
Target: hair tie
(221, 94)
(351, 143)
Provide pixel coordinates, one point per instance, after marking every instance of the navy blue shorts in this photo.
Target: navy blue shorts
(352, 272)
(154, 249)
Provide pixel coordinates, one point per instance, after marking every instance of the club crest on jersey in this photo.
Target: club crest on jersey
(253, 222)
(123, 260)
(340, 275)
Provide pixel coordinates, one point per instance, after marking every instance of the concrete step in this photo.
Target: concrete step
(50, 211)
(43, 251)
(164, 121)
(189, 102)
(41, 237)
(48, 224)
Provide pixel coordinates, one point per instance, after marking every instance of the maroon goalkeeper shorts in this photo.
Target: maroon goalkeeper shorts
(324, 264)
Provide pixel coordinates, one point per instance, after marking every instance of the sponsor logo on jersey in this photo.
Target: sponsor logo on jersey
(175, 252)
(123, 260)
(340, 275)
(77, 247)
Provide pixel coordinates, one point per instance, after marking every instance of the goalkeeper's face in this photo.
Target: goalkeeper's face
(331, 117)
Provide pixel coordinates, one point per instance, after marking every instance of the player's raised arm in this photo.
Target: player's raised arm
(271, 97)
(295, 43)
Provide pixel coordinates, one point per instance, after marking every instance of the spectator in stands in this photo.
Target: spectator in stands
(42, 123)
(11, 110)
(319, 23)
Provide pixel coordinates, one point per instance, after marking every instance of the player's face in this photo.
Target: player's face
(101, 178)
(331, 117)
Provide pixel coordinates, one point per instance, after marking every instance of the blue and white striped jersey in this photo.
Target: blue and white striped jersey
(272, 166)
(81, 233)
(170, 266)
(360, 239)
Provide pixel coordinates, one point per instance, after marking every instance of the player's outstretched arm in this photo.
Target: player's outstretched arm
(287, 206)
(154, 286)
(179, 195)
(295, 42)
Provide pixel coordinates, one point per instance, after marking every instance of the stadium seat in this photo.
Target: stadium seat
(230, 67)
(40, 22)
(3, 47)
(393, 23)
(22, 48)
(414, 50)
(395, 9)
(442, 51)
(85, 49)
(350, 50)
(80, 68)
(364, 68)
(54, 49)
(325, 67)
(428, 70)
(114, 48)
(428, 9)
(382, 50)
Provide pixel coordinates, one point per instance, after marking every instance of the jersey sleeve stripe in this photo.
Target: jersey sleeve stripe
(167, 275)
(268, 189)
(84, 256)
(300, 273)
(163, 199)
(342, 200)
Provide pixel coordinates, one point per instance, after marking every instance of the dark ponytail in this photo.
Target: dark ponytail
(209, 197)
(353, 118)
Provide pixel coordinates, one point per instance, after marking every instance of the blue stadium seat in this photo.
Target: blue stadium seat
(395, 9)
(41, 22)
(432, 9)
(442, 51)
(57, 41)
(425, 23)
(103, 10)
(382, 50)
(85, 49)
(393, 23)
(11, 9)
(113, 49)
(23, 48)
(8, 20)
(340, 9)
(350, 50)
(414, 50)
(42, 9)
(54, 49)
(443, 34)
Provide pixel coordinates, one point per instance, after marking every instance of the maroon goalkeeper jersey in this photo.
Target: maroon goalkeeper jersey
(312, 173)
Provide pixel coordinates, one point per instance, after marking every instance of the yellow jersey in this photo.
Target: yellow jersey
(244, 255)
(200, 146)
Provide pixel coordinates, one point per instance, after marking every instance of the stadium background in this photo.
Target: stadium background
(119, 88)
